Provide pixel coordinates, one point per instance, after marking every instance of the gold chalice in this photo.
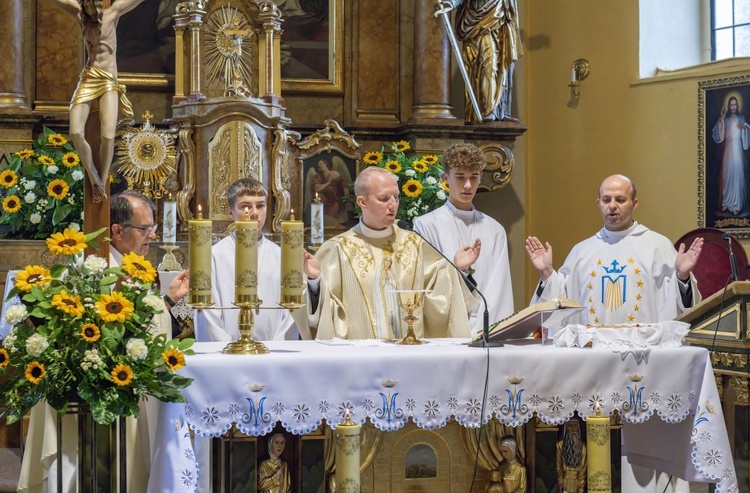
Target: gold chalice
(410, 300)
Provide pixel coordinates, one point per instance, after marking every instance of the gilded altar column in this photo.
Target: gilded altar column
(269, 84)
(432, 66)
(17, 31)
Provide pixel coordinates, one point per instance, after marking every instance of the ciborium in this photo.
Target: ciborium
(410, 300)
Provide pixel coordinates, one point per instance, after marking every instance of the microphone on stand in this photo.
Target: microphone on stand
(485, 342)
(732, 260)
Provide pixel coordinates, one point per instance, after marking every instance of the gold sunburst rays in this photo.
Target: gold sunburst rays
(146, 158)
(229, 43)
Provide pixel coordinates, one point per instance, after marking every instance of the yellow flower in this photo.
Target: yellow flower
(58, 189)
(138, 267)
(69, 242)
(401, 146)
(32, 275)
(57, 140)
(71, 159)
(419, 166)
(46, 160)
(11, 204)
(114, 307)
(174, 358)
(445, 186)
(90, 333)
(67, 303)
(4, 358)
(392, 166)
(8, 178)
(25, 154)
(372, 157)
(35, 372)
(122, 375)
(412, 188)
(432, 159)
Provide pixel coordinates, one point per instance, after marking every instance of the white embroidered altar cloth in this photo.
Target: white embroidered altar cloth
(667, 397)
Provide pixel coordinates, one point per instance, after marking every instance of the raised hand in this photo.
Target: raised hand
(540, 255)
(687, 259)
(466, 256)
(179, 286)
(311, 265)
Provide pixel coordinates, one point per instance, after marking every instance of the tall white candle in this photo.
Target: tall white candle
(170, 221)
(573, 74)
(317, 223)
(347, 455)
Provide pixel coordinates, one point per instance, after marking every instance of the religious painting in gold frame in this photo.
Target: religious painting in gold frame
(146, 46)
(312, 47)
(723, 154)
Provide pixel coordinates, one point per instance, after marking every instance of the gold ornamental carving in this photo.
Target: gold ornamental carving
(230, 42)
(719, 386)
(235, 152)
(741, 390)
(187, 153)
(146, 158)
(499, 170)
(729, 359)
(281, 186)
(332, 132)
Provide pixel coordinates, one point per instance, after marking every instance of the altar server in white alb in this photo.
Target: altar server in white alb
(625, 273)
(475, 242)
(245, 195)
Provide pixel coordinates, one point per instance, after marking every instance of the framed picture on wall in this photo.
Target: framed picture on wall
(723, 153)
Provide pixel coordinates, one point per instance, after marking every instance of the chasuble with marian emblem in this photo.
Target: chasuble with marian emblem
(621, 277)
(361, 268)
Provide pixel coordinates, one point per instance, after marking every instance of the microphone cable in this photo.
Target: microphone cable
(481, 419)
(721, 310)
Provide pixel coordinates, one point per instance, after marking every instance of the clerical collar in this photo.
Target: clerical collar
(374, 233)
(620, 234)
(460, 213)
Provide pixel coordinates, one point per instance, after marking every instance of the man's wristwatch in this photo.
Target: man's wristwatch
(168, 300)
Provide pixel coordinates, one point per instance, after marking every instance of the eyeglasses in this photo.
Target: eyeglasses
(143, 229)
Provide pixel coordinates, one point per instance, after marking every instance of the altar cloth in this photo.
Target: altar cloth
(667, 397)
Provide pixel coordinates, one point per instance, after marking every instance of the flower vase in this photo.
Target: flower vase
(100, 451)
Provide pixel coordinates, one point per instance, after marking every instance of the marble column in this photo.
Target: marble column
(17, 32)
(432, 66)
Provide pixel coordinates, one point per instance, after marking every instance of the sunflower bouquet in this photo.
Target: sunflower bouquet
(42, 189)
(87, 332)
(419, 179)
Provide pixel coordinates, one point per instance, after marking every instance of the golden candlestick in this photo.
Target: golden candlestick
(245, 344)
(292, 263)
(200, 262)
(410, 300)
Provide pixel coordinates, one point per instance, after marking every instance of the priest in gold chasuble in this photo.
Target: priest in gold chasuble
(353, 275)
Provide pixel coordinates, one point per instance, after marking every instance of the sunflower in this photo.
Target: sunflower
(67, 303)
(69, 242)
(373, 157)
(174, 358)
(58, 189)
(392, 166)
(57, 140)
(114, 307)
(33, 275)
(401, 146)
(71, 159)
(8, 178)
(412, 188)
(11, 204)
(4, 358)
(46, 160)
(445, 186)
(35, 372)
(419, 166)
(25, 154)
(138, 267)
(432, 159)
(90, 333)
(122, 375)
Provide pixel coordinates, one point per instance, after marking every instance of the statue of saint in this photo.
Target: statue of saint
(491, 36)
(571, 459)
(98, 81)
(513, 473)
(273, 473)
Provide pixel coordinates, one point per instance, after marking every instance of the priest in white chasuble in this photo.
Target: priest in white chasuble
(352, 275)
(626, 273)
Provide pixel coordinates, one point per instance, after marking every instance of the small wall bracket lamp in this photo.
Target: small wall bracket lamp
(578, 72)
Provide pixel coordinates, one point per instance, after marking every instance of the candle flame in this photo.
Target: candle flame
(247, 213)
(200, 212)
(292, 215)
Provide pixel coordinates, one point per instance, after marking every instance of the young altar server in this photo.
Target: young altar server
(246, 194)
(475, 242)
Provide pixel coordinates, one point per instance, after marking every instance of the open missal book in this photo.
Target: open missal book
(537, 318)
